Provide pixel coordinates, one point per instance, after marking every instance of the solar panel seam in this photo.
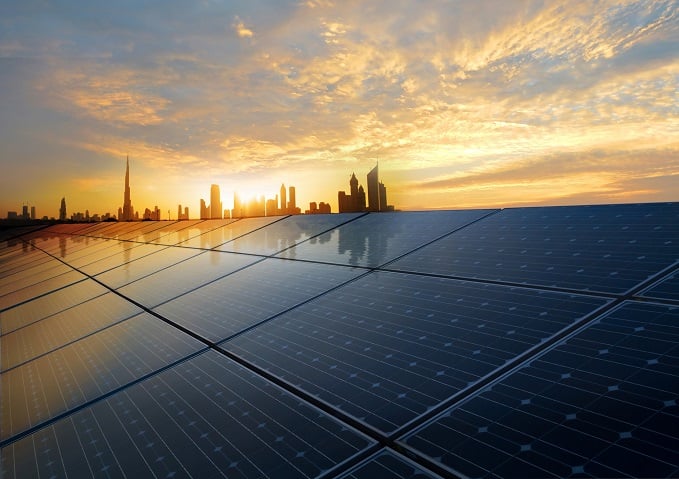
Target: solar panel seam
(52, 314)
(63, 345)
(506, 369)
(435, 470)
(555, 289)
(320, 234)
(594, 390)
(90, 402)
(259, 323)
(252, 231)
(40, 296)
(491, 213)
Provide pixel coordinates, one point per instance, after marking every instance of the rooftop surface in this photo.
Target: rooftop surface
(527, 342)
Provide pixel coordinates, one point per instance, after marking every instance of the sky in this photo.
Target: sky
(463, 103)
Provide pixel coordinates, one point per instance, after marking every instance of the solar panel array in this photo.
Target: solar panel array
(529, 342)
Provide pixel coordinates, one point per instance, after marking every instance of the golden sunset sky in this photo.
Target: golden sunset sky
(465, 104)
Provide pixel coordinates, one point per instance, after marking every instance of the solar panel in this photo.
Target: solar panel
(602, 403)
(522, 342)
(227, 231)
(38, 289)
(388, 465)
(41, 389)
(374, 239)
(151, 259)
(54, 302)
(667, 288)
(285, 233)
(206, 417)
(60, 329)
(178, 232)
(184, 276)
(252, 295)
(388, 347)
(595, 248)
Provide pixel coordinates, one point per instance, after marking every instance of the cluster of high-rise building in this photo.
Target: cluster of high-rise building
(285, 203)
(25, 215)
(355, 201)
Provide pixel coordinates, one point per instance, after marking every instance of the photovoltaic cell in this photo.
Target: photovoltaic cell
(206, 417)
(130, 271)
(247, 297)
(145, 234)
(185, 276)
(60, 329)
(388, 347)
(45, 306)
(38, 289)
(52, 384)
(599, 248)
(230, 230)
(285, 233)
(388, 465)
(180, 231)
(667, 288)
(32, 275)
(603, 403)
(375, 239)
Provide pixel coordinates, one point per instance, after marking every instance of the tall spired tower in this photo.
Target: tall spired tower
(128, 211)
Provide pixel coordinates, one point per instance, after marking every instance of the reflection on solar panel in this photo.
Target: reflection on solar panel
(522, 342)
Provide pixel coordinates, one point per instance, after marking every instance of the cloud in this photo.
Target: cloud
(241, 30)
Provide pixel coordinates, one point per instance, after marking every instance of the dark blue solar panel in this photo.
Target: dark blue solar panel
(388, 347)
(54, 383)
(245, 298)
(44, 306)
(374, 239)
(60, 329)
(603, 403)
(185, 276)
(388, 465)
(285, 233)
(599, 248)
(206, 417)
(667, 288)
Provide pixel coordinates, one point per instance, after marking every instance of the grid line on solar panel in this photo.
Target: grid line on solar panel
(63, 328)
(162, 258)
(185, 276)
(374, 239)
(603, 402)
(252, 295)
(286, 233)
(227, 231)
(665, 289)
(87, 369)
(38, 308)
(609, 249)
(39, 289)
(206, 417)
(388, 464)
(389, 347)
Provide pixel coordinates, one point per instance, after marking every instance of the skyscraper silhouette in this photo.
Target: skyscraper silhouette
(284, 206)
(62, 210)
(128, 211)
(373, 190)
(215, 203)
